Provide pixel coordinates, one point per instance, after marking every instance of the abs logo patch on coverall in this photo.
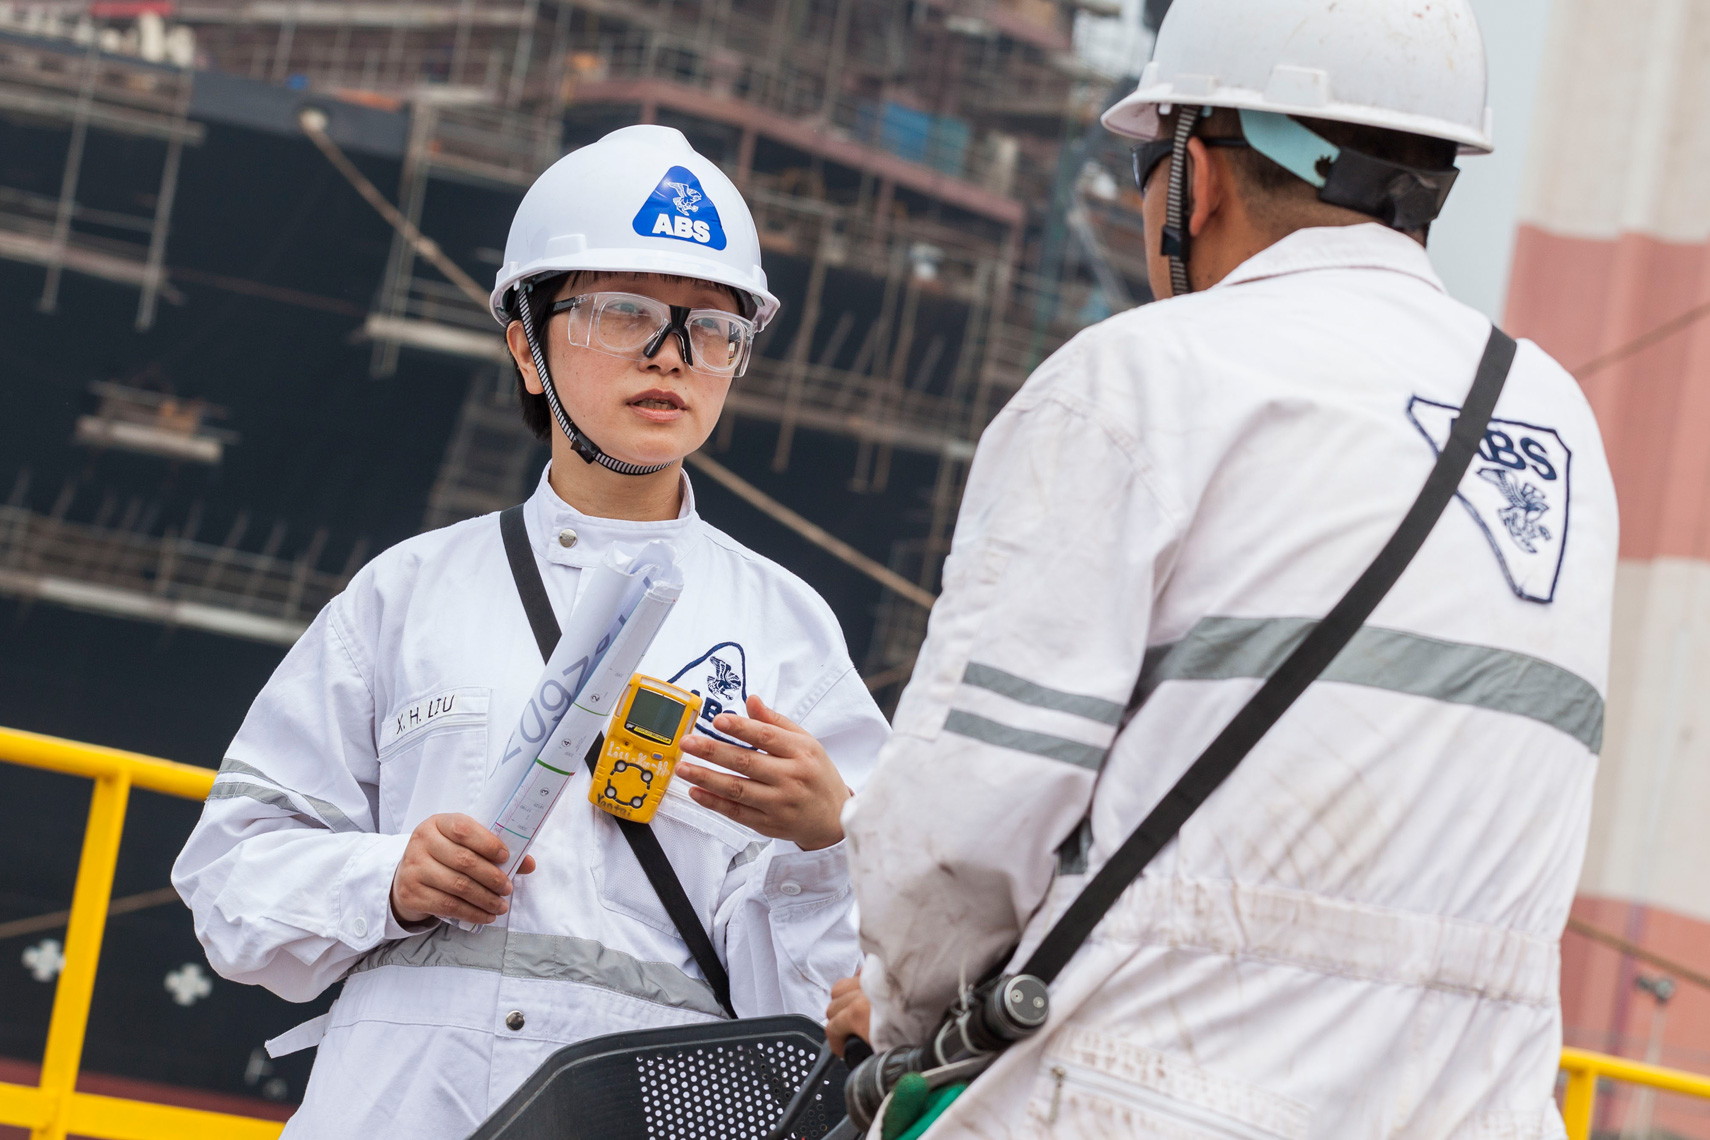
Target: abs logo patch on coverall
(1517, 491)
(720, 677)
(678, 208)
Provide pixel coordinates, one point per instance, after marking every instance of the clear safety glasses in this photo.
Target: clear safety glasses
(1148, 155)
(711, 341)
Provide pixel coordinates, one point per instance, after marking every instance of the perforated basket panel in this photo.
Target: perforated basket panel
(729, 1080)
(727, 1092)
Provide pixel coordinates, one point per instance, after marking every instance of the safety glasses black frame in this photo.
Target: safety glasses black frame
(1148, 155)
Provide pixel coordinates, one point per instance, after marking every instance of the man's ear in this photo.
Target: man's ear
(1208, 182)
(517, 341)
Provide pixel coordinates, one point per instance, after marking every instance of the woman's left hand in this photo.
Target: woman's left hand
(789, 789)
(850, 1014)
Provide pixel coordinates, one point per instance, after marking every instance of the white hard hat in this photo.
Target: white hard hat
(1405, 65)
(640, 200)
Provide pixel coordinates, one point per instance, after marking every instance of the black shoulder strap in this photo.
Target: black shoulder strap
(530, 587)
(641, 839)
(1302, 667)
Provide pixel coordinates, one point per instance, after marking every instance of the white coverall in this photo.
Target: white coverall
(1357, 936)
(393, 707)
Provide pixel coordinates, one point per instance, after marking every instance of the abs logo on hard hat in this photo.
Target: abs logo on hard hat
(1517, 492)
(678, 208)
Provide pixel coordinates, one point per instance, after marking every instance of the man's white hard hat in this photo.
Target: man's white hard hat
(640, 200)
(1405, 65)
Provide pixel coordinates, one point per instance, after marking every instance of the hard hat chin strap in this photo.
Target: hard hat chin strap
(579, 441)
(1174, 240)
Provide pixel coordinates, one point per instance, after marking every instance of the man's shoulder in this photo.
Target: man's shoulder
(1133, 344)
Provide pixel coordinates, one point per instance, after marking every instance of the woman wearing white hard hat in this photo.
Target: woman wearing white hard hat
(336, 844)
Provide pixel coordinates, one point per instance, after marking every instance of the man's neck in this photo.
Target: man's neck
(602, 493)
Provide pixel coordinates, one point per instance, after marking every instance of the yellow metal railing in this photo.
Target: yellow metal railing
(1583, 1070)
(55, 1107)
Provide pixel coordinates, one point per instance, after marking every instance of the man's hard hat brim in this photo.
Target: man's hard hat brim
(1137, 115)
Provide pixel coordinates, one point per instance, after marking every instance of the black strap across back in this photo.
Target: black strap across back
(1303, 666)
(654, 864)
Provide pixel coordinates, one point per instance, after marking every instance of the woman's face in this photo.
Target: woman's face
(646, 411)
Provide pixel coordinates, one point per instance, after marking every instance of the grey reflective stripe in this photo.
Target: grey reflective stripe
(1021, 740)
(556, 957)
(328, 812)
(1028, 693)
(279, 798)
(1225, 648)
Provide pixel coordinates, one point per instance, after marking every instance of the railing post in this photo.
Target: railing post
(83, 934)
(1578, 1101)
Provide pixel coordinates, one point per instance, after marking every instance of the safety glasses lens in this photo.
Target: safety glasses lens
(719, 342)
(626, 324)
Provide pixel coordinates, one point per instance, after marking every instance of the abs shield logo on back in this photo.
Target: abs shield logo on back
(678, 208)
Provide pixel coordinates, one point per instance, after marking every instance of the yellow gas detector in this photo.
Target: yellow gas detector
(643, 744)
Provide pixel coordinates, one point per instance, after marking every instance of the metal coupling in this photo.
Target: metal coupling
(866, 1088)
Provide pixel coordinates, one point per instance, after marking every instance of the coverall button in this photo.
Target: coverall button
(566, 538)
(790, 888)
(514, 1020)
(360, 926)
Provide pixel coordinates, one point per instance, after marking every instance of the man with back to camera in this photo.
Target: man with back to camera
(336, 839)
(1357, 934)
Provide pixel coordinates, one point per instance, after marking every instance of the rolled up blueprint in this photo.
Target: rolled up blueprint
(609, 631)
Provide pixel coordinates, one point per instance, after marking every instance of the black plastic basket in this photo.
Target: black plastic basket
(728, 1080)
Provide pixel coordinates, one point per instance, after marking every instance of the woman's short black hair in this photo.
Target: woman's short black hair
(536, 412)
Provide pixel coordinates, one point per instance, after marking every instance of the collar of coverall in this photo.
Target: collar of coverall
(1371, 245)
(549, 516)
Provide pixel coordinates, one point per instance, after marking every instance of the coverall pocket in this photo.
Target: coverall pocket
(700, 845)
(1094, 1085)
(435, 765)
(1544, 1124)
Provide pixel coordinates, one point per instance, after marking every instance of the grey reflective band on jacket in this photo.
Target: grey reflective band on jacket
(1022, 740)
(275, 795)
(555, 957)
(1228, 648)
(1028, 693)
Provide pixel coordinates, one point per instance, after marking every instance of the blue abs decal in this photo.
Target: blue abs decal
(720, 676)
(679, 209)
(1517, 490)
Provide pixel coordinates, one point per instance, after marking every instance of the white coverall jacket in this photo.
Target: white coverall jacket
(1356, 937)
(393, 707)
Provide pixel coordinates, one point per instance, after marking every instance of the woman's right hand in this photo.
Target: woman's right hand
(450, 869)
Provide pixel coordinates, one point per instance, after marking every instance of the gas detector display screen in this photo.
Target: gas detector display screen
(654, 714)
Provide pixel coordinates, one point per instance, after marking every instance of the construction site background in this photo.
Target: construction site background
(234, 381)
(237, 380)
